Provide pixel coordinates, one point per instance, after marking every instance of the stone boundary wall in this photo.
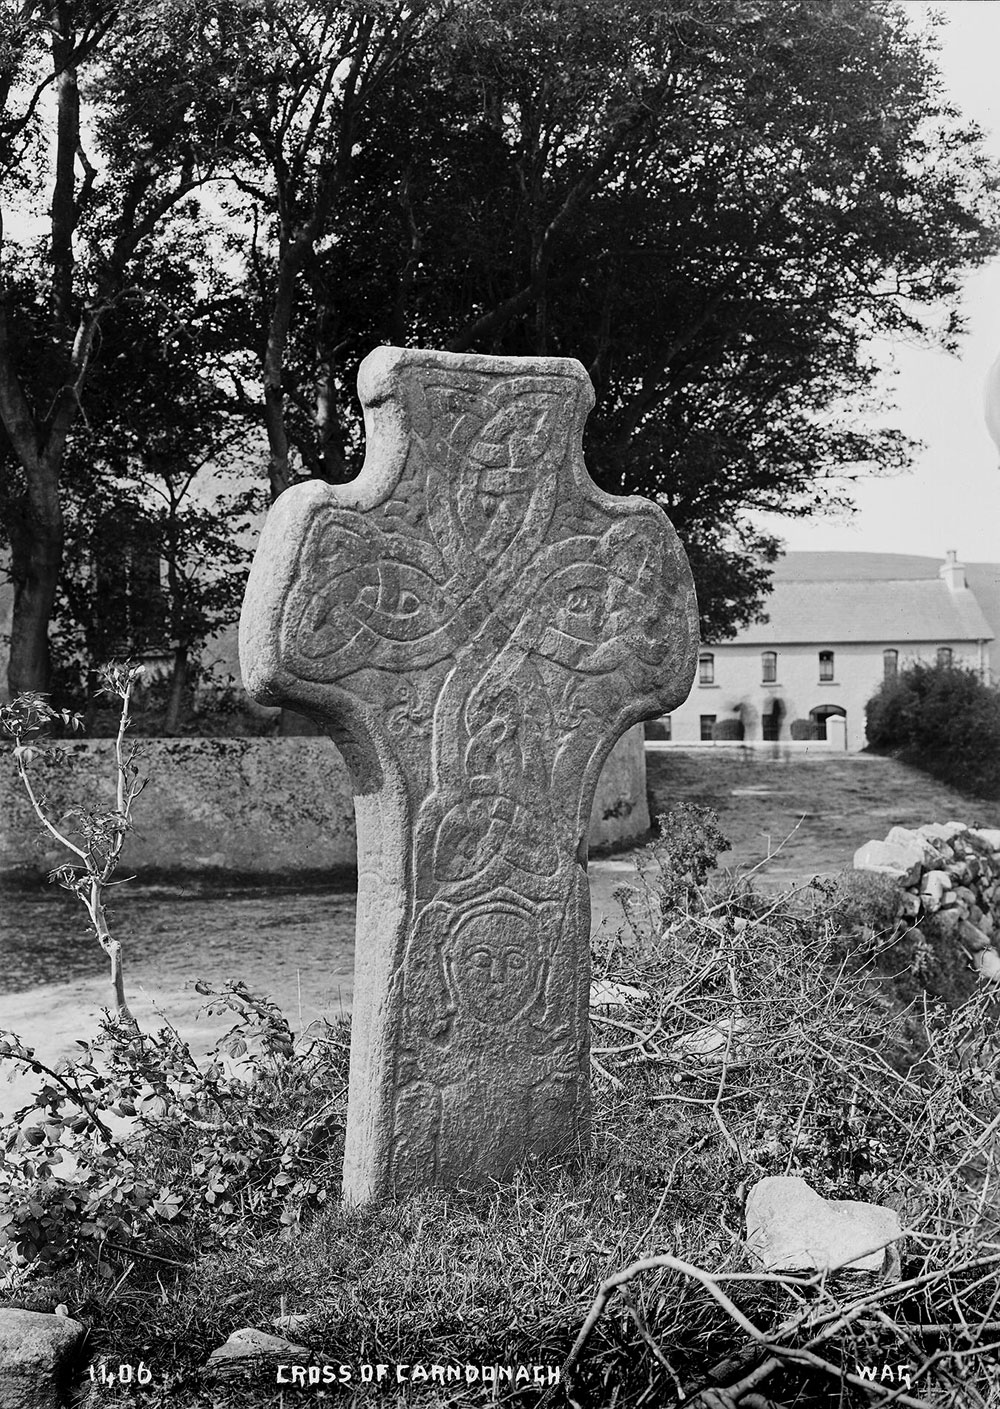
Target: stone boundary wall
(950, 872)
(247, 805)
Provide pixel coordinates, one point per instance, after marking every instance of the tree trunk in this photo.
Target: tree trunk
(36, 536)
(279, 470)
(178, 687)
(90, 713)
(112, 948)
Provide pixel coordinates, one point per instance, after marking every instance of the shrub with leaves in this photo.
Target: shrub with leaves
(134, 1134)
(685, 851)
(804, 730)
(942, 719)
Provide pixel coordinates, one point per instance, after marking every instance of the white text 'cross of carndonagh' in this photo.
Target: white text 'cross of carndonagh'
(475, 624)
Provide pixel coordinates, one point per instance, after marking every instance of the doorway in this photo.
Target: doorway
(821, 714)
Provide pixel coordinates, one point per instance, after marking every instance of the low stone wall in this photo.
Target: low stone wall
(950, 876)
(247, 805)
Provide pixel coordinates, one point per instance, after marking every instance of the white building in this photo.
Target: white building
(837, 625)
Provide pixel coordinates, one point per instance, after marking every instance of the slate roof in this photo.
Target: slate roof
(850, 567)
(830, 598)
(983, 578)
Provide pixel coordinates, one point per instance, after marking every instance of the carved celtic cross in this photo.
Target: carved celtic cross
(475, 624)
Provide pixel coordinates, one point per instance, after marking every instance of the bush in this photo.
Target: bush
(942, 719)
(686, 849)
(728, 729)
(249, 1139)
(804, 729)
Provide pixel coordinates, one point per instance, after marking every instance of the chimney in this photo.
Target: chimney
(953, 572)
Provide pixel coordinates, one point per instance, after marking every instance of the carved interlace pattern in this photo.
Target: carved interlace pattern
(494, 620)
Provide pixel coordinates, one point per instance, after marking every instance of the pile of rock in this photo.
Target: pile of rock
(950, 872)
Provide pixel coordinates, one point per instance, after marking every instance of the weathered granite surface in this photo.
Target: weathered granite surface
(36, 1355)
(476, 624)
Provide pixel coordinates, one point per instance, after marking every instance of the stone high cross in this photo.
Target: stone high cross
(475, 624)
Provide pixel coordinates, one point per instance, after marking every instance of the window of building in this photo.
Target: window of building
(707, 722)
(706, 668)
(659, 729)
(769, 667)
(944, 656)
(826, 665)
(890, 664)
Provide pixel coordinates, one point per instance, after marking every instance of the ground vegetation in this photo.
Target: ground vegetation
(166, 1201)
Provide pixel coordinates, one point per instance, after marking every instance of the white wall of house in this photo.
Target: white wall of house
(739, 688)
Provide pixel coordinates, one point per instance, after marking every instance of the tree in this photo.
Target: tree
(101, 834)
(156, 554)
(153, 567)
(311, 80)
(715, 207)
(154, 559)
(110, 117)
(942, 719)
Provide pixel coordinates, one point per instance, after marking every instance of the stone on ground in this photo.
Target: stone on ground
(942, 831)
(987, 964)
(901, 861)
(792, 1228)
(714, 1040)
(247, 1349)
(935, 887)
(36, 1358)
(909, 836)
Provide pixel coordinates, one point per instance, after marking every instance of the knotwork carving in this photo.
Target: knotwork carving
(476, 624)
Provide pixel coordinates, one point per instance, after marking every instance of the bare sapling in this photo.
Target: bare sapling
(102, 833)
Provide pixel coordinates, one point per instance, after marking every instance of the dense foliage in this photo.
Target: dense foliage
(943, 719)
(715, 207)
(135, 1134)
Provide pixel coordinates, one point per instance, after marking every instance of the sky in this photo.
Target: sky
(951, 497)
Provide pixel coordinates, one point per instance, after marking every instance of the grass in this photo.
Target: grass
(826, 807)
(834, 1065)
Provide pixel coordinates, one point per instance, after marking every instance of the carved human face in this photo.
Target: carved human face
(580, 601)
(494, 967)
